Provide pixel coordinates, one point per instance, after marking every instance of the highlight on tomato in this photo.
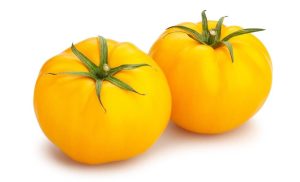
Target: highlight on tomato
(219, 76)
(102, 101)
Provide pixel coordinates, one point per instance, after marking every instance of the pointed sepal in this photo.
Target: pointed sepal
(115, 81)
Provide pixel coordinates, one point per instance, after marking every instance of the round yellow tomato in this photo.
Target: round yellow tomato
(101, 101)
(219, 76)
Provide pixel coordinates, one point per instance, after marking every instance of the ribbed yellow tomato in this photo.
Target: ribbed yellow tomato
(210, 93)
(127, 123)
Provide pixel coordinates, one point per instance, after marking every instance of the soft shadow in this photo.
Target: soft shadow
(57, 156)
(173, 138)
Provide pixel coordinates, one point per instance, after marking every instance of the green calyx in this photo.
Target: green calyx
(102, 72)
(212, 37)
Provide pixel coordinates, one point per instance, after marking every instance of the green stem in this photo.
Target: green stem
(212, 37)
(102, 72)
(103, 51)
(205, 30)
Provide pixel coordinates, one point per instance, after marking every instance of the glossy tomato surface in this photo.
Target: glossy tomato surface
(71, 116)
(212, 94)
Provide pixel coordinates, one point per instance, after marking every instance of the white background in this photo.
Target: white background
(264, 149)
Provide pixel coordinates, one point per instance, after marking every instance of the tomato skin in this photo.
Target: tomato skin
(70, 115)
(210, 94)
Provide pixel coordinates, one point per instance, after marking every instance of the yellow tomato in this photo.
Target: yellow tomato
(213, 92)
(136, 101)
